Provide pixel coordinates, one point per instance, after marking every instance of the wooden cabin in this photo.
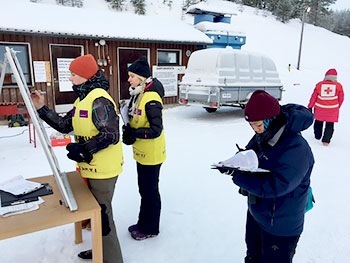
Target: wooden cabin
(47, 40)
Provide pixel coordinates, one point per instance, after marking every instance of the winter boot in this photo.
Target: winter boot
(133, 228)
(137, 235)
(86, 254)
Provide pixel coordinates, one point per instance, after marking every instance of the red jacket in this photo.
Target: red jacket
(327, 99)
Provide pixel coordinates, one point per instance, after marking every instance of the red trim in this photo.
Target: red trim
(149, 85)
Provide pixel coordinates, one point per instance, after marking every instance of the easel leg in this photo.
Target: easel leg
(78, 233)
(97, 254)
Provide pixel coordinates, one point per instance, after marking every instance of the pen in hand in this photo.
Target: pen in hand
(239, 149)
(41, 92)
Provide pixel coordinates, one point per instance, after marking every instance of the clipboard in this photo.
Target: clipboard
(241, 169)
(8, 199)
(124, 111)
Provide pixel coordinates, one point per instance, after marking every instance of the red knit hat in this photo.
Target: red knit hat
(331, 72)
(261, 106)
(84, 66)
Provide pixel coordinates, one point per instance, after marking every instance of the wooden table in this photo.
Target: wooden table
(52, 214)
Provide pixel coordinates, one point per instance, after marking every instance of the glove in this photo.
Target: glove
(78, 153)
(128, 137)
(225, 170)
(310, 109)
(243, 192)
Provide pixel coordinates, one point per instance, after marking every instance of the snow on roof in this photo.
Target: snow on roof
(35, 18)
(218, 28)
(216, 8)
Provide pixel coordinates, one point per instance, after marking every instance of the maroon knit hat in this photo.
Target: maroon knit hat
(84, 66)
(331, 72)
(261, 106)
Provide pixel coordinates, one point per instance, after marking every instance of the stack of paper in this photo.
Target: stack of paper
(18, 186)
(242, 161)
(20, 209)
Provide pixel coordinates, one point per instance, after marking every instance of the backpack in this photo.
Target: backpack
(16, 120)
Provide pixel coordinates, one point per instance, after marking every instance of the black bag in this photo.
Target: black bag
(16, 120)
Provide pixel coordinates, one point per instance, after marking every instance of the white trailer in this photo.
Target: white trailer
(217, 77)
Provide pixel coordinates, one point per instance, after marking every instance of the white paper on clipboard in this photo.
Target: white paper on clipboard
(124, 111)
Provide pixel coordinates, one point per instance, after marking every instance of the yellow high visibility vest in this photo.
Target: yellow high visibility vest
(147, 151)
(106, 163)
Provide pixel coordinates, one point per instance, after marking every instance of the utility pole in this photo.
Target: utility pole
(307, 10)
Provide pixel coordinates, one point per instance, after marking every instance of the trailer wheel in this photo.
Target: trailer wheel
(210, 110)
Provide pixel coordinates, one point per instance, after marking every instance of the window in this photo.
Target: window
(23, 58)
(168, 57)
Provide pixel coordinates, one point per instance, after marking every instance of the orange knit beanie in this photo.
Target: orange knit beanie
(84, 66)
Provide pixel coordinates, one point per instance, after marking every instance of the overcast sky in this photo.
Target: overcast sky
(341, 4)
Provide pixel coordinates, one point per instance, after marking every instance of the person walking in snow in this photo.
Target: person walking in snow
(146, 134)
(327, 98)
(277, 198)
(97, 148)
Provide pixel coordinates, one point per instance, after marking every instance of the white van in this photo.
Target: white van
(218, 77)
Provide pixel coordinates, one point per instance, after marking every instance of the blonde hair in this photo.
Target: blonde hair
(138, 101)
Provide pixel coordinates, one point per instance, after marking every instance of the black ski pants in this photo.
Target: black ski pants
(263, 247)
(149, 216)
(328, 131)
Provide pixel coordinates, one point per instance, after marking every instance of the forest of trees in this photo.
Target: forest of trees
(320, 14)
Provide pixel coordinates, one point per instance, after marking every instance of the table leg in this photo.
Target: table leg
(96, 229)
(78, 233)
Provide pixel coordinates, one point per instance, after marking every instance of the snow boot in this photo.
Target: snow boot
(133, 228)
(137, 235)
(85, 254)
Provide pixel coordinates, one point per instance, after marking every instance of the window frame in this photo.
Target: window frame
(177, 51)
(30, 84)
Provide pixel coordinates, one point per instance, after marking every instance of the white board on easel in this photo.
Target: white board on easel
(60, 177)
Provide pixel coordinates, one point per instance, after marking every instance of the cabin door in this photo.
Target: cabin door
(126, 57)
(61, 57)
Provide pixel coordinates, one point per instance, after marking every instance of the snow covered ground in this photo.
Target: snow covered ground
(203, 216)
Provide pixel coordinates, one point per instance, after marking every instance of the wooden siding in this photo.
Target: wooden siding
(40, 51)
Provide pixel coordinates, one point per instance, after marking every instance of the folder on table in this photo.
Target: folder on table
(10, 199)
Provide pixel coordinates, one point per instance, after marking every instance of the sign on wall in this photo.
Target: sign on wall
(168, 77)
(42, 71)
(63, 74)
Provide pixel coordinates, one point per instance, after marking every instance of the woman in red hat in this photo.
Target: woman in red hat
(327, 98)
(97, 148)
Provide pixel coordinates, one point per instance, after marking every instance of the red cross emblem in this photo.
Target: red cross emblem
(328, 90)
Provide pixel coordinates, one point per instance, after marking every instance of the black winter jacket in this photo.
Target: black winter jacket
(104, 116)
(153, 112)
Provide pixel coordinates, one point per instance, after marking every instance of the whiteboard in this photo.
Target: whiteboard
(60, 177)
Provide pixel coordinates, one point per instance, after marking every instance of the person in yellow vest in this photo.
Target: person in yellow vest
(146, 134)
(97, 148)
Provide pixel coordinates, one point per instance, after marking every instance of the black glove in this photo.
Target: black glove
(310, 109)
(225, 170)
(78, 153)
(128, 137)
